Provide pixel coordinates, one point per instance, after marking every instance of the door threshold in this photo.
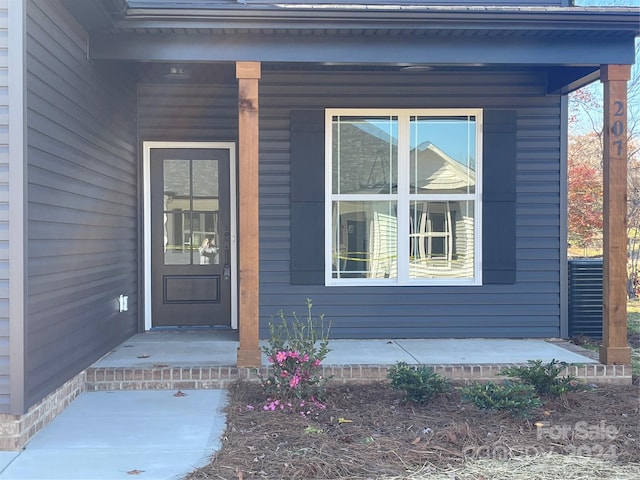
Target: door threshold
(178, 328)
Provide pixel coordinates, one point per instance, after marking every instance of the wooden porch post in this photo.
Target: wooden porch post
(614, 349)
(248, 74)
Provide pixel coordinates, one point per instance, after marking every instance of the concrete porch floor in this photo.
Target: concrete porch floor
(207, 359)
(198, 348)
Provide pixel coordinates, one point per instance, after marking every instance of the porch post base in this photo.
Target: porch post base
(249, 358)
(615, 355)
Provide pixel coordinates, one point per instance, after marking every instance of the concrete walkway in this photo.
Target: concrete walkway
(147, 435)
(158, 435)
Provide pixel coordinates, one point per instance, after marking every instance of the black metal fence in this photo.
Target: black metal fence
(585, 297)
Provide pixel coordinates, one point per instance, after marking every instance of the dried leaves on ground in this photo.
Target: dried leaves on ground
(368, 432)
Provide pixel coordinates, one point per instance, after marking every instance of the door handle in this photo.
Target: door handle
(226, 271)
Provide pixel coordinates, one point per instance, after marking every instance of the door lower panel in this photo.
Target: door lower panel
(190, 289)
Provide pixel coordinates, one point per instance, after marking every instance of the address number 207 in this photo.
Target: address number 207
(618, 127)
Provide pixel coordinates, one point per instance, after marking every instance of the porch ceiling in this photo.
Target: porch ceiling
(569, 42)
(560, 79)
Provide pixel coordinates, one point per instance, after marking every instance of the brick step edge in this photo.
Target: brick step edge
(210, 377)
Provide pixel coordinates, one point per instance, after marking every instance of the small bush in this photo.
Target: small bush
(420, 383)
(543, 377)
(517, 398)
(295, 352)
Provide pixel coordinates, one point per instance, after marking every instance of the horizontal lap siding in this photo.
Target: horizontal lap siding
(4, 208)
(82, 202)
(528, 308)
(188, 113)
(453, 3)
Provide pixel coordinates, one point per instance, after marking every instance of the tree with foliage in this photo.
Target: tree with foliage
(585, 154)
(633, 205)
(585, 205)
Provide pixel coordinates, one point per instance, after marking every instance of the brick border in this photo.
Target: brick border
(172, 378)
(160, 378)
(17, 430)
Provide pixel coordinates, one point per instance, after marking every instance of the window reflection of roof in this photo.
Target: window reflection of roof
(176, 181)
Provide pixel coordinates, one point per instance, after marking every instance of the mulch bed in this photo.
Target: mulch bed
(368, 432)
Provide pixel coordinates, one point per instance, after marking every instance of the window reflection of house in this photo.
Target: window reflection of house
(441, 228)
(433, 171)
(191, 203)
(442, 239)
(365, 163)
(441, 231)
(384, 251)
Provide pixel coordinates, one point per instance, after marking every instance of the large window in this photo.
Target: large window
(403, 196)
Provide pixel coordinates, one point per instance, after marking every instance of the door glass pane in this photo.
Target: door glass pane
(177, 212)
(443, 155)
(365, 239)
(205, 185)
(365, 155)
(441, 239)
(207, 239)
(176, 184)
(177, 241)
(205, 211)
(191, 212)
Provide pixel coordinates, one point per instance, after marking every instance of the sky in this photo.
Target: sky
(454, 135)
(583, 124)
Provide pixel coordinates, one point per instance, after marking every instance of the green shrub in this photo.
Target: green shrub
(543, 377)
(517, 398)
(420, 383)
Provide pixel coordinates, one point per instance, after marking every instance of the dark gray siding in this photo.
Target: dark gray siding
(4, 209)
(528, 308)
(82, 202)
(453, 3)
(188, 113)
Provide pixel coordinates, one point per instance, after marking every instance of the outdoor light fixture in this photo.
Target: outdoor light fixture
(416, 68)
(177, 73)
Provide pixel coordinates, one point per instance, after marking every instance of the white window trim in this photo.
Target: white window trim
(402, 197)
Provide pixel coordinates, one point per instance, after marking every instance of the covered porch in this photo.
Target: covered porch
(614, 350)
(202, 360)
(588, 45)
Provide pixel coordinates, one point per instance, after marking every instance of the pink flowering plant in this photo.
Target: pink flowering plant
(295, 353)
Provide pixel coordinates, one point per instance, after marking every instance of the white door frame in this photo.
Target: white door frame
(147, 147)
